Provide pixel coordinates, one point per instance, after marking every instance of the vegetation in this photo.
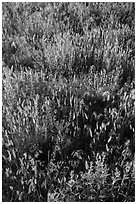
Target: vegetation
(68, 113)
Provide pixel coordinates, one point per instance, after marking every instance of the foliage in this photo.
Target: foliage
(68, 114)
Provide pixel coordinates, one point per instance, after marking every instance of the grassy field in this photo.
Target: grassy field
(68, 102)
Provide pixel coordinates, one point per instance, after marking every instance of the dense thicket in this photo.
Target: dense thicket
(68, 101)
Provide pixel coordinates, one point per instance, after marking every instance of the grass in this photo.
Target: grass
(68, 102)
